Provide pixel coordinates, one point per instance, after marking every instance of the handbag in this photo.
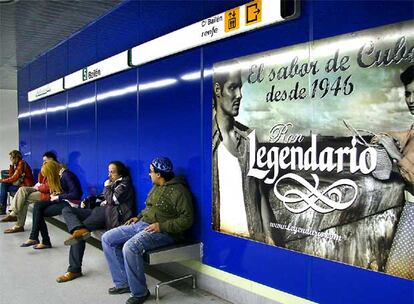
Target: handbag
(92, 201)
(384, 163)
(20, 180)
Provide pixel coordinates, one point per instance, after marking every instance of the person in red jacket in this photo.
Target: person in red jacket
(20, 174)
(28, 195)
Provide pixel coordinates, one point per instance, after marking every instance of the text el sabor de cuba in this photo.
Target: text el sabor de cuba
(368, 56)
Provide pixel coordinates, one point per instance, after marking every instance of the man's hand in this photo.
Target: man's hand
(107, 183)
(390, 146)
(155, 227)
(375, 139)
(82, 205)
(54, 197)
(131, 221)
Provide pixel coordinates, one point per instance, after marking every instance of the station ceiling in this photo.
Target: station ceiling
(29, 28)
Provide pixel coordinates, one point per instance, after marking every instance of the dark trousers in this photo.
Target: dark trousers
(40, 211)
(76, 218)
(4, 189)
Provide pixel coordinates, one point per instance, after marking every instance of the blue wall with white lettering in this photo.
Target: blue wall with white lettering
(87, 128)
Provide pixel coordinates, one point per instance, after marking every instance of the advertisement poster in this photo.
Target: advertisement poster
(313, 148)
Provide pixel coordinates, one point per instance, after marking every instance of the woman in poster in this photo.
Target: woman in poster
(401, 258)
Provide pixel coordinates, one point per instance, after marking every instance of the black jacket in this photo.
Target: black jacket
(120, 202)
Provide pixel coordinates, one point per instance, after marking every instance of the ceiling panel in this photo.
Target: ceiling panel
(28, 28)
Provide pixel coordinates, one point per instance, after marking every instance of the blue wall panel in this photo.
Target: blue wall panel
(169, 120)
(82, 49)
(341, 284)
(38, 73)
(23, 83)
(214, 7)
(356, 15)
(122, 24)
(175, 120)
(38, 114)
(81, 136)
(117, 123)
(24, 138)
(57, 62)
(157, 18)
(37, 134)
(56, 138)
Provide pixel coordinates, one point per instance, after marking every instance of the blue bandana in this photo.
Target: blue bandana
(163, 164)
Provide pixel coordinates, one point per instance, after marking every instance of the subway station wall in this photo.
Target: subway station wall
(96, 126)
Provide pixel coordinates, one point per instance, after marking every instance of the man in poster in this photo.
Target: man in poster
(240, 205)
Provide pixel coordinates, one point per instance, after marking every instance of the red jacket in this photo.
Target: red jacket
(43, 188)
(15, 172)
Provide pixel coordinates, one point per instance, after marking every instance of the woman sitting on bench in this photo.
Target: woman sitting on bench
(65, 191)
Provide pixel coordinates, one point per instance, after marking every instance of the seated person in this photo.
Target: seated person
(117, 205)
(65, 190)
(20, 174)
(28, 195)
(168, 213)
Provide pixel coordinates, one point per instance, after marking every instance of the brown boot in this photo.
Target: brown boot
(68, 276)
(77, 235)
(9, 218)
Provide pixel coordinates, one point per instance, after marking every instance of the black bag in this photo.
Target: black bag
(92, 201)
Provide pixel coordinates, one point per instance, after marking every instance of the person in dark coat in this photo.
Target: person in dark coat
(113, 208)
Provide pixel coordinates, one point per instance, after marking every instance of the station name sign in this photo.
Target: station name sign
(46, 90)
(109, 66)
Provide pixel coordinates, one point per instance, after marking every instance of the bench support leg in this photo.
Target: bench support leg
(157, 287)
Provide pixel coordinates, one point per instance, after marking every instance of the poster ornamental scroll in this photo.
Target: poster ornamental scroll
(313, 148)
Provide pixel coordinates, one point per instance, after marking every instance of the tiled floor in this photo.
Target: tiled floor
(28, 275)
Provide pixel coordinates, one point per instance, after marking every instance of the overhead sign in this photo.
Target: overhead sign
(46, 90)
(98, 70)
(241, 19)
(235, 21)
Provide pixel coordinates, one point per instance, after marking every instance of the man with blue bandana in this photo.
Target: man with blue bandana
(167, 214)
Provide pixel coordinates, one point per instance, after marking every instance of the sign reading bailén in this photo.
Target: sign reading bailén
(98, 70)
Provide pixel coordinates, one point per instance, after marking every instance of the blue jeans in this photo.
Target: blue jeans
(4, 189)
(124, 247)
